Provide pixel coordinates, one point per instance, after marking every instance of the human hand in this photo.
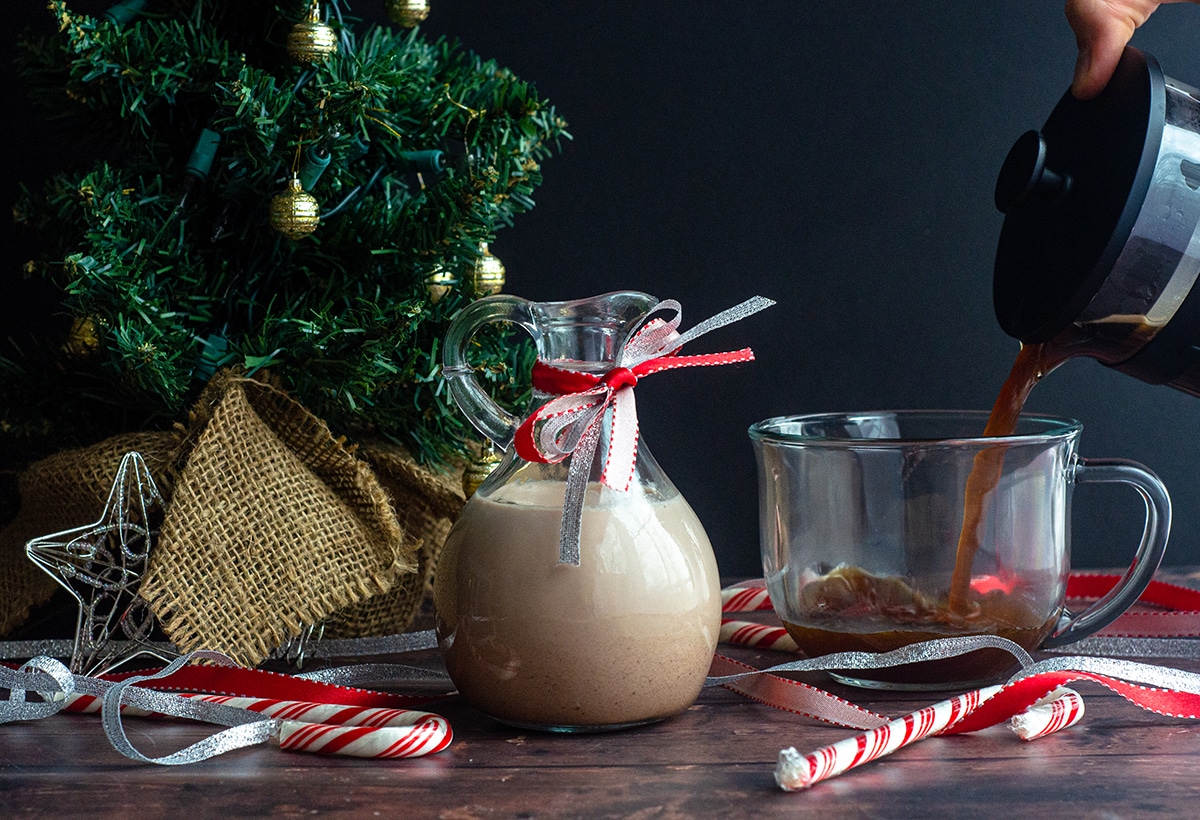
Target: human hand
(1102, 29)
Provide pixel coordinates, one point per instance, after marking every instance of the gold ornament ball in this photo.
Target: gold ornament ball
(311, 42)
(478, 470)
(83, 339)
(487, 274)
(407, 13)
(439, 283)
(295, 212)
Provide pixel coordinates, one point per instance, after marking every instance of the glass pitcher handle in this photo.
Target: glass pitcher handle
(488, 417)
(1149, 553)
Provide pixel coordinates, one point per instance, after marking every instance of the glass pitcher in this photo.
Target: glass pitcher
(623, 638)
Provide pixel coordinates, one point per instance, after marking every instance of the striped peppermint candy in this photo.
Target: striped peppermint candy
(303, 711)
(322, 728)
(1061, 709)
(428, 735)
(760, 636)
(1058, 710)
(748, 598)
(331, 713)
(795, 771)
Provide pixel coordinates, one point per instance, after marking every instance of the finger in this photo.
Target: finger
(1102, 30)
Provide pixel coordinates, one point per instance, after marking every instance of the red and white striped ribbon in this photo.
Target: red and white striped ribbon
(571, 424)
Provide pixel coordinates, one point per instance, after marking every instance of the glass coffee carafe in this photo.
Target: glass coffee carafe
(620, 629)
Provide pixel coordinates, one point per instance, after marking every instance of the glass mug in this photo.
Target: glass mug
(879, 530)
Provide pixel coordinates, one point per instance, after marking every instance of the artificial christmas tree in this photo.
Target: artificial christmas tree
(253, 214)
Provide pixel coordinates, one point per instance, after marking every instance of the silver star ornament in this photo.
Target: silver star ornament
(101, 566)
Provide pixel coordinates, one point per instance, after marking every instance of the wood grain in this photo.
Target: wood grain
(715, 760)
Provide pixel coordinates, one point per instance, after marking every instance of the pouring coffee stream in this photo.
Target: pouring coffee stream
(1034, 362)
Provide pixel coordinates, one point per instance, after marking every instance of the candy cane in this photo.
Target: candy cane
(323, 728)
(760, 636)
(430, 734)
(793, 772)
(1060, 709)
(745, 598)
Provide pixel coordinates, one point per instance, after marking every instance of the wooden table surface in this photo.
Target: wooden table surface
(715, 760)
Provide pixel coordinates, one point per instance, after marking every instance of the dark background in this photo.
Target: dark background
(836, 157)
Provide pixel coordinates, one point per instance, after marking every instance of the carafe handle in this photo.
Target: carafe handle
(1145, 562)
(487, 417)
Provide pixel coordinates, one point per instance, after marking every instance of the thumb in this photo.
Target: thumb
(1102, 30)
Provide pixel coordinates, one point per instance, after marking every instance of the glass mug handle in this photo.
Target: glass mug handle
(488, 417)
(1149, 553)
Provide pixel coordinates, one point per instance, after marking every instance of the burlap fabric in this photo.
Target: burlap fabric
(271, 525)
(427, 505)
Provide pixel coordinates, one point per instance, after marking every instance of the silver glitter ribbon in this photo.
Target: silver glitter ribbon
(246, 728)
(366, 674)
(1161, 677)
(326, 648)
(54, 683)
(1133, 647)
(938, 649)
(379, 645)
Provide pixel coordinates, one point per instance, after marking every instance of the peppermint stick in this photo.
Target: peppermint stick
(745, 598)
(320, 728)
(760, 636)
(794, 771)
(1058, 710)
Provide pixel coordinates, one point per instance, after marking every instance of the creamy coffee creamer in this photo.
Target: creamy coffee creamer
(625, 638)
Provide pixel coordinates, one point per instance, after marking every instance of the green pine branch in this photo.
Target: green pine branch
(177, 268)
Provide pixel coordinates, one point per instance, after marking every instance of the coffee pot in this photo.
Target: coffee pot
(1100, 248)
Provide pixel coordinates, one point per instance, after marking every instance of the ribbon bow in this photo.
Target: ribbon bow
(572, 424)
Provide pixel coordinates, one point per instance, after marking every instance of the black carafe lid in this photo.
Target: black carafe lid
(1070, 195)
